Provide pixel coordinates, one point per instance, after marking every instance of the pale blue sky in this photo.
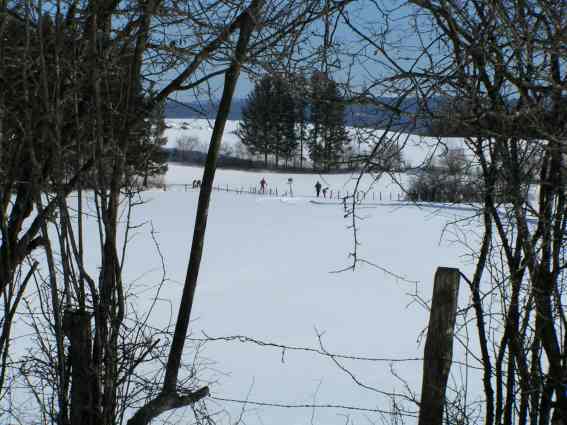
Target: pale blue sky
(367, 66)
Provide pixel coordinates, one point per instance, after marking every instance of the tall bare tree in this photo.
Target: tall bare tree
(88, 63)
(500, 68)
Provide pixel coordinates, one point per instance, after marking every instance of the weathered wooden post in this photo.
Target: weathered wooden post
(77, 328)
(438, 352)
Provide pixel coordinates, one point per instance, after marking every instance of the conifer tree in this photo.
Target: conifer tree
(268, 120)
(254, 128)
(328, 138)
(285, 140)
(299, 89)
(153, 159)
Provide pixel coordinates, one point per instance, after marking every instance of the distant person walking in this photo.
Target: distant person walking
(325, 189)
(317, 188)
(263, 184)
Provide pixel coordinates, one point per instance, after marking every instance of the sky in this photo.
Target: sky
(366, 67)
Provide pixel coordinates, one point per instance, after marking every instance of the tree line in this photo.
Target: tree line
(285, 116)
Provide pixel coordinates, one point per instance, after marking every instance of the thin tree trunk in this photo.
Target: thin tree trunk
(169, 399)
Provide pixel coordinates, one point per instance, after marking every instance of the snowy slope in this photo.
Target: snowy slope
(416, 148)
(267, 273)
(302, 184)
(202, 129)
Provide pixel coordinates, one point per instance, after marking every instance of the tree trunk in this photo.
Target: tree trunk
(184, 315)
(77, 328)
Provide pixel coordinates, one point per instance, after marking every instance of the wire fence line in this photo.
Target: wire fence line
(339, 195)
(276, 192)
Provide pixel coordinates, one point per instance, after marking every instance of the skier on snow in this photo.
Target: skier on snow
(263, 185)
(318, 188)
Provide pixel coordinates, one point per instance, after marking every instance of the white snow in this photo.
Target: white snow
(416, 148)
(303, 185)
(267, 273)
(200, 129)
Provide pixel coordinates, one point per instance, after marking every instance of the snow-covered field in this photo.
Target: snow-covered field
(416, 148)
(200, 129)
(302, 184)
(267, 273)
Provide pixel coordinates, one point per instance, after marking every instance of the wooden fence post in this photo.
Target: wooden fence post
(438, 352)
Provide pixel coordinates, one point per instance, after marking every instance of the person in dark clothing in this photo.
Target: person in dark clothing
(325, 189)
(263, 185)
(318, 188)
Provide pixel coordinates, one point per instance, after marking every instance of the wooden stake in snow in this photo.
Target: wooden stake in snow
(438, 352)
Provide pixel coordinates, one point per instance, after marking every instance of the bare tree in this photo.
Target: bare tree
(90, 69)
(500, 68)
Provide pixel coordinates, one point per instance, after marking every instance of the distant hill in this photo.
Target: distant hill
(355, 115)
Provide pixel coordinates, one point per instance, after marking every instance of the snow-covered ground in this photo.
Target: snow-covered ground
(302, 184)
(416, 148)
(267, 273)
(201, 129)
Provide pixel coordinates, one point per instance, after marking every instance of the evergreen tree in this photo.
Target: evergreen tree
(254, 128)
(152, 159)
(299, 91)
(328, 138)
(336, 137)
(285, 140)
(268, 120)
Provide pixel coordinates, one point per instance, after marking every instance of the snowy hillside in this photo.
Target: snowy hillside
(302, 184)
(416, 149)
(268, 274)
